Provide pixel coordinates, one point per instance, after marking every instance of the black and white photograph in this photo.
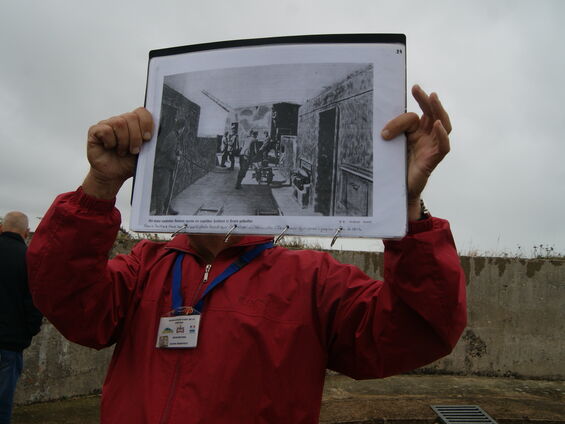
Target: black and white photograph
(269, 146)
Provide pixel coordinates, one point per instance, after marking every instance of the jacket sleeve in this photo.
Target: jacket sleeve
(71, 280)
(376, 329)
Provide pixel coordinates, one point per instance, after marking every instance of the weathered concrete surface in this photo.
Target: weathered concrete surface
(516, 317)
(401, 399)
(55, 368)
(516, 327)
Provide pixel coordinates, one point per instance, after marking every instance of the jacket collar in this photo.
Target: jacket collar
(181, 242)
(12, 235)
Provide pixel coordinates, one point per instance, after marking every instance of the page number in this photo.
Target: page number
(398, 51)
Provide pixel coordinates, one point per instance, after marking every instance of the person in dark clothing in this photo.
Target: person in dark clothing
(19, 319)
(229, 144)
(250, 152)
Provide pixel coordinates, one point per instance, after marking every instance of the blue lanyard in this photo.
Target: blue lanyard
(232, 269)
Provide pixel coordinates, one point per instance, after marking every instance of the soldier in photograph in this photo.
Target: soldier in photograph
(229, 144)
(250, 150)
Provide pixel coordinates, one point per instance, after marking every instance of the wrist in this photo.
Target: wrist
(417, 211)
(99, 187)
(414, 209)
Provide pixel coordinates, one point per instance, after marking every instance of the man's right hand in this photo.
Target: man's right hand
(112, 148)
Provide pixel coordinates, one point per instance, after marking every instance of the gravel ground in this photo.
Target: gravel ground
(400, 399)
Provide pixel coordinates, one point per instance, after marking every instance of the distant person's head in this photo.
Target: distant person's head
(16, 222)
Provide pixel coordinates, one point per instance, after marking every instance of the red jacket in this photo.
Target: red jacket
(267, 334)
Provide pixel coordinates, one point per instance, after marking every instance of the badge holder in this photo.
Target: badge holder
(179, 329)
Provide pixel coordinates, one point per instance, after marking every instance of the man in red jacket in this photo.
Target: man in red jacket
(270, 320)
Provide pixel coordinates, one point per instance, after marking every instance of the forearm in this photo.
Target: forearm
(415, 317)
(68, 269)
(424, 270)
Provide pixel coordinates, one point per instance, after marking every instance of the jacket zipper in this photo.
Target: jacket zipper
(206, 272)
(169, 404)
(202, 282)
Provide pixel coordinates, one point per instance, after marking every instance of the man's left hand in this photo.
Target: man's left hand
(428, 143)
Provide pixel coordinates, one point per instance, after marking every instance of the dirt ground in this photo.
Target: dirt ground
(400, 399)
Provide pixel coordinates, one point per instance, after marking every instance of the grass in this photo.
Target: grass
(538, 251)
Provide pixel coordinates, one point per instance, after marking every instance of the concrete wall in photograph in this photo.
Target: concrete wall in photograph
(206, 149)
(335, 143)
(197, 155)
(516, 327)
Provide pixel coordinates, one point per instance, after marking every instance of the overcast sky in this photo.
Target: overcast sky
(497, 65)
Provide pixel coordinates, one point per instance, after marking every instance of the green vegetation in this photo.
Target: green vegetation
(537, 251)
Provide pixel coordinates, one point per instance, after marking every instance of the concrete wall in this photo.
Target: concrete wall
(55, 368)
(352, 101)
(516, 320)
(516, 328)
(516, 310)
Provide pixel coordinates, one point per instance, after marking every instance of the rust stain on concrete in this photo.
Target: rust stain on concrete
(475, 347)
(373, 262)
(501, 264)
(466, 265)
(479, 265)
(533, 267)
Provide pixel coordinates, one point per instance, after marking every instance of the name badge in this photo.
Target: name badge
(178, 331)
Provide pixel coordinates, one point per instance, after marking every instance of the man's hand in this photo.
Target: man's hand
(428, 143)
(112, 148)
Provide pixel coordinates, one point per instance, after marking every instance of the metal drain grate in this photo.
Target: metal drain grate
(461, 414)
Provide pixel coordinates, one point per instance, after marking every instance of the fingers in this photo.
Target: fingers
(121, 132)
(432, 107)
(423, 101)
(407, 122)
(440, 113)
(145, 122)
(124, 133)
(442, 137)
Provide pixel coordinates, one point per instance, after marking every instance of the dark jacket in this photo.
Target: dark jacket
(19, 319)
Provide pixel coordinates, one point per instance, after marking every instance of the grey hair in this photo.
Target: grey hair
(16, 222)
